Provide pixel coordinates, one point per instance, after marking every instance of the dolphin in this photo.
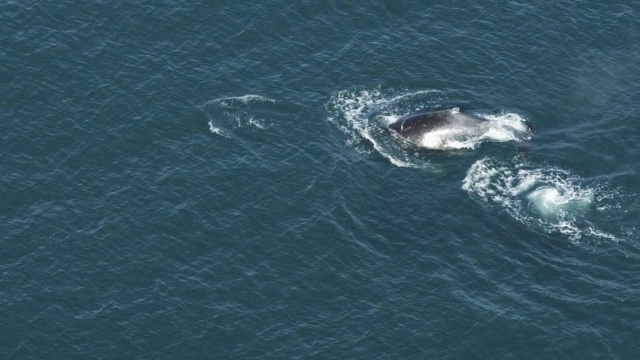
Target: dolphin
(415, 126)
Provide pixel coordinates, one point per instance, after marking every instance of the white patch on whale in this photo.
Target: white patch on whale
(461, 131)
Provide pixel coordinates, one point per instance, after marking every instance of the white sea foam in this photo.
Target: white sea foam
(551, 201)
(256, 122)
(364, 114)
(217, 130)
(229, 113)
(547, 198)
(231, 101)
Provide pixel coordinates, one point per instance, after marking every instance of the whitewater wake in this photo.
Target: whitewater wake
(548, 198)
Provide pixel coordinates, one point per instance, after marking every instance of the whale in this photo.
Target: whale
(451, 129)
(415, 126)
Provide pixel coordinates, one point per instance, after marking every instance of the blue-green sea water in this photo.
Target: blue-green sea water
(185, 180)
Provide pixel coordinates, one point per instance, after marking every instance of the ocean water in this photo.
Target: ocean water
(199, 181)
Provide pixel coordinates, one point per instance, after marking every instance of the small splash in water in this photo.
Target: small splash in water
(228, 113)
(217, 130)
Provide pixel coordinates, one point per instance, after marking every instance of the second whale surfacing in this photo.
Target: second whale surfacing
(440, 130)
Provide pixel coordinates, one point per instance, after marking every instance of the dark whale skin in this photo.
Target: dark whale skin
(414, 126)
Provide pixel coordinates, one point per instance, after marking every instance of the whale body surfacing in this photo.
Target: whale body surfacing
(414, 127)
(443, 130)
(450, 129)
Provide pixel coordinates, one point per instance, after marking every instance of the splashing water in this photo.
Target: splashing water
(547, 198)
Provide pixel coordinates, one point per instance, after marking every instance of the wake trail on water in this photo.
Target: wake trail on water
(230, 114)
(364, 115)
(547, 198)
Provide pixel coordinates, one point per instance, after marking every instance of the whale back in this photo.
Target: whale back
(416, 125)
(451, 129)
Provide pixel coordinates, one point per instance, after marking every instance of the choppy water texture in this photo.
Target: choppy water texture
(198, 181)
